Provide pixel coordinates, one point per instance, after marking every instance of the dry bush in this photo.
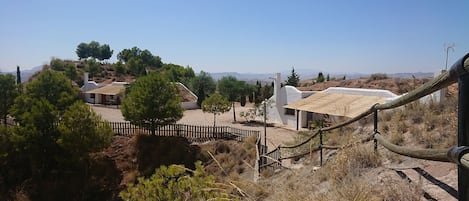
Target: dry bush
(398, 127)
(415, 111)
(377, 76)
(353, 161)
(353, 189)
(384, 127)
(366, 121)
(438, 125)
(384, 116)
(299, 138)
(396, 138)
(400, 190)
(266, 173)
(252, 191)
(340, 136)
(431, 120)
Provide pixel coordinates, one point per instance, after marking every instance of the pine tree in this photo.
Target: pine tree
(320, 77)
(293, 79)
(18, 75)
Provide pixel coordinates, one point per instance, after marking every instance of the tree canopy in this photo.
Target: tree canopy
(320, 77)
(53, 87)
(94, 50)
(233, 89)
(56, 131)
(81, 131)
(202, 85)
(152, 102)
(145, 57)
(216, 104)
(293, 79)
(177, 73)
(176, 183)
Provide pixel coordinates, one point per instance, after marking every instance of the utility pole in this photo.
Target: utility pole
(449, 46)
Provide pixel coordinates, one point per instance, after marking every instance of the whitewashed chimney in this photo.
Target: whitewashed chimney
(85, 78)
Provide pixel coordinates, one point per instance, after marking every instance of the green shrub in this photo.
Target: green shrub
(176, 183)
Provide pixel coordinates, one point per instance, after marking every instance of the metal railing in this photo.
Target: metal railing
(459, 154)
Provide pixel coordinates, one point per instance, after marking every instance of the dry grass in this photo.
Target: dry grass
(233, 163)
(353, 189)
(353, 161)
(233, 157)
(430, 125)
(400, 190)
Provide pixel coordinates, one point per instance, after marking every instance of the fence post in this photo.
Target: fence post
(320, 145)
(463, 134)
(375, 126)
(265, 123)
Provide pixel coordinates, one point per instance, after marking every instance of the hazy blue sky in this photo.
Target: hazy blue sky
(263, 36)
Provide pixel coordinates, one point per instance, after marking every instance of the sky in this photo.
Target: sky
(246, 36)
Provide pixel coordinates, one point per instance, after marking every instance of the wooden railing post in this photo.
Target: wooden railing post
(375, 127)
(320, 145)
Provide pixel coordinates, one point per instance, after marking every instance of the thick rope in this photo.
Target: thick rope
(427, 154)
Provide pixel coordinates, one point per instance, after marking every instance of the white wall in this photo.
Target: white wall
(189, 105)
(283, 96)
(88, 86)
(362, 92)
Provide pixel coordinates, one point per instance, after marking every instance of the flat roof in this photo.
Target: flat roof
(345, 105)
(108, 90)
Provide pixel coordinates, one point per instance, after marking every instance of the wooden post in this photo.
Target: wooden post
(375, 126)
(320, 145)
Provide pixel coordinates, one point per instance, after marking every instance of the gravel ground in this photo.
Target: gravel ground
(277, 135)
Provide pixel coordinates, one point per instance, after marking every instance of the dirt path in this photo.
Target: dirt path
(276, 135)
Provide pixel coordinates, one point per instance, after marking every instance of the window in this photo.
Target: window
(91, 95)
(289, 111)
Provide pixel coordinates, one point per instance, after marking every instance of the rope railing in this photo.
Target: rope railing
(458, 69)
(427, 154)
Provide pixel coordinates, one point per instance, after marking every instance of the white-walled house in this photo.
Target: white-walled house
(88, 86)
(337, 102)
(292, 107)
(112, 94)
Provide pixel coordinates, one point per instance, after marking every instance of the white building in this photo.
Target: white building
(284, 96)
(298, 109)
(112, 94)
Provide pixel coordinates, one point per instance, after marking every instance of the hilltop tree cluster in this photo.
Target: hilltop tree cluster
(138, 60)
(94, 50)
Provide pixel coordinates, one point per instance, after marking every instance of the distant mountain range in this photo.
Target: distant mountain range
(304, 74)
(25, 74)
(264, 77)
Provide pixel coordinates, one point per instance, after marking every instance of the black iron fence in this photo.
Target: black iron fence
(195, 133)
